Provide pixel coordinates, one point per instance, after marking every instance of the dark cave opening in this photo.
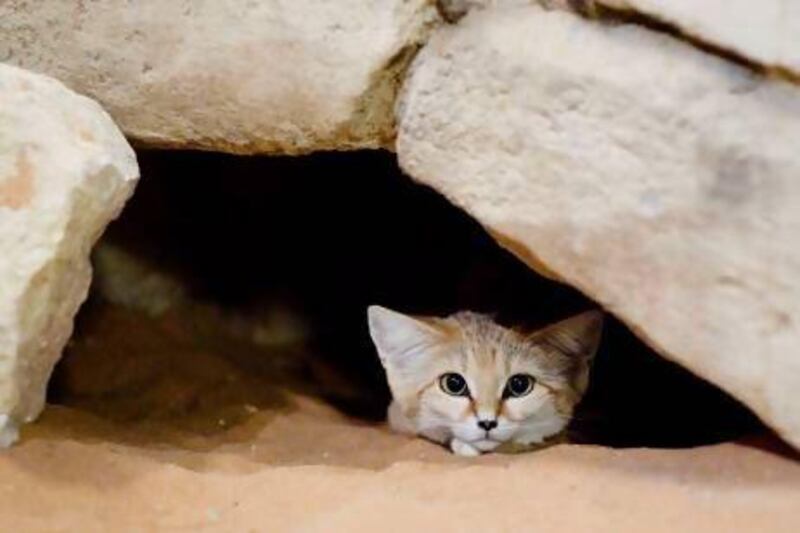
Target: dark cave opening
(319, 238)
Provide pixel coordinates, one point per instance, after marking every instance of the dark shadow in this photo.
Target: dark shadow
(321, 237)
(772, 444)
(637, 398)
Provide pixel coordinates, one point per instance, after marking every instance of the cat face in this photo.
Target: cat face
(467, 378)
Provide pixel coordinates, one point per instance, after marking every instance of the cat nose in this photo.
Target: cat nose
(488, 425)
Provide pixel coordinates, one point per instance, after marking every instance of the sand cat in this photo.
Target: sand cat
(475, 386)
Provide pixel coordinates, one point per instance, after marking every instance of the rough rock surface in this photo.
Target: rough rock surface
(658, 179)
(65, 171)
(765, 32)
(271, 76)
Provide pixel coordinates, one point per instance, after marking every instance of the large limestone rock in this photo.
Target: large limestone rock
(269, 76)
(662, 181)
(65, 172)
(766, 32)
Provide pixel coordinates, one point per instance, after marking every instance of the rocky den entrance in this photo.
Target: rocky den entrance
(219, 376)
(232, 286)
(224, 338)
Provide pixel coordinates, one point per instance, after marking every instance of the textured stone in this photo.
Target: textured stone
(269, 76)
(65, 171)
(766, 32)
(660, 180)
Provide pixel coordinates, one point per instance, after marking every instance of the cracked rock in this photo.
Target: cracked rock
(765, 32)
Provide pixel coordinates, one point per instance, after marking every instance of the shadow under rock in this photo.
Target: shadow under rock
(320, 238)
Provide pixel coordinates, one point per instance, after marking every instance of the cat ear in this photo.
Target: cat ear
(400, 338)
(577, 336)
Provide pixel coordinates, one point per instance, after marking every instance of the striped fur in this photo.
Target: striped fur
(417, 351)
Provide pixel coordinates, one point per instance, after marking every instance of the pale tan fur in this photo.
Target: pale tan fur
(417, 351)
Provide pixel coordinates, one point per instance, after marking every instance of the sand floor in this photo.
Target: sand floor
(164, 426)
(308, 468)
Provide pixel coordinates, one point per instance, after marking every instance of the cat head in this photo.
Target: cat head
(467, 377)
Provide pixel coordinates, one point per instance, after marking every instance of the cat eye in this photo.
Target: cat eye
(518, 385)
(453, 384)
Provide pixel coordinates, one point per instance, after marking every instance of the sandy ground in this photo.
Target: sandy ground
(181, 424)
(308, 468)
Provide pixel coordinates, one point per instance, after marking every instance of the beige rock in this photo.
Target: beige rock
(766, 32)
(65, 171)
(454, 10)
(240, 76)
(662, 181)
